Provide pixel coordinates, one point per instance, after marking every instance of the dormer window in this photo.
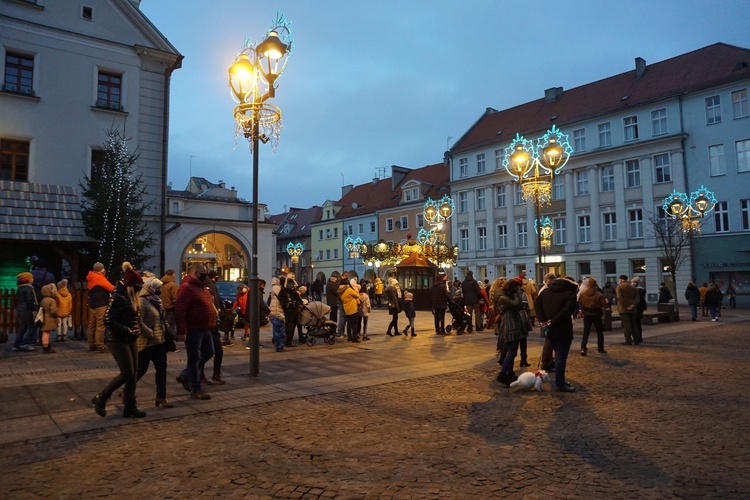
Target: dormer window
(411, 194)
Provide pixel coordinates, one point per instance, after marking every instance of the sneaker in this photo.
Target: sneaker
(602, 352)
(26, 347)
(199, 395)
(583, 352)
(216, 379)
(16, 349)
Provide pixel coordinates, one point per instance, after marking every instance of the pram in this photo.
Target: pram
(313, 317)
(461, 318)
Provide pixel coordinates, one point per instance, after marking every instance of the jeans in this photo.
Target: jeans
(713, 310)
(504, 348)
(439, 320)
(548, 356)
(279, 333)
(199, 345)
(96, 326)
(351, 327)
(290, 324)
(476, 311)
(509, 358)
(394, 323)
(156, 354)
(218, 354)
(628, 326)
(26, 332)
(693, 311)
(638, 328)
(596, 321)
(562, 348)
(126, 357)
(341, 323)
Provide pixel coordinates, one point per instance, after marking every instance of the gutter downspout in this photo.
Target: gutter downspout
(164, 158)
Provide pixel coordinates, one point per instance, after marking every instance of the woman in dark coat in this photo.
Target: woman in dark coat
(439, 296)
(393, 295)
(512, 328)
(693, 296)
(713, 301)
(122, 320)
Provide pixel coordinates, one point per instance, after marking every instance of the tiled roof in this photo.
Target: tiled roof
(175, 193)
(703, 68)
(300, 218)
(373, 196)
(40, 212)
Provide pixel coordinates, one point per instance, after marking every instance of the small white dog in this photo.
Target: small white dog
(529, 380)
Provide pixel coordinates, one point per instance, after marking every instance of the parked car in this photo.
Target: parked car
(228, 291)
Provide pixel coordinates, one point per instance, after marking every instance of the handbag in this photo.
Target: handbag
(39, 318)
(525, 320)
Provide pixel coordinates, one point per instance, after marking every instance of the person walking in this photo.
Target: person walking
(439, 298)
(151, 346)
(592, 304)
(218, 356)
(554, 308)
(512, 328)
(378, 293)
(693, 297)
(731, 294)
(195, 316)
(168, 295)
(365, 308)
(548, 350)
(627, 301)
(49, 307)
(713, 301)
(99, 291)
(410, 312)
(472, 295)
(122, 320)
(393, 296)
(704, 307)
(26, 307)
(349, 294)
(640, 308)
(64, 307)
(276, 315)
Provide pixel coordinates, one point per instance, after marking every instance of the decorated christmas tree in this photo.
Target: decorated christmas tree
(113, 206)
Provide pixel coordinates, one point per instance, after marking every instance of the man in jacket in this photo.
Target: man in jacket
(99, 291)
(168, 295)
(332, 295)
(627, 301)
(472, 294)
(26, 307)
(439, 297)
(195, 316)
(211, 280)
(640, 308)
(554, 308)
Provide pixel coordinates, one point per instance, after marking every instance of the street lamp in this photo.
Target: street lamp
(689, 209)
(354, 246)
(534, 164)
(253, 78)
(295, 250)
(436, 213)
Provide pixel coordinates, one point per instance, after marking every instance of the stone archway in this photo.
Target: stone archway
(218, 251)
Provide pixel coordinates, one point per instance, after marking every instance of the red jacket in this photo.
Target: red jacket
(194, 307)
(241, 302)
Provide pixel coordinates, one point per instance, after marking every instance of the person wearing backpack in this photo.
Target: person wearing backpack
(26, 306)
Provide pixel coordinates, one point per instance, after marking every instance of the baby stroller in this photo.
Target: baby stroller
(461, 318)
(313, 317)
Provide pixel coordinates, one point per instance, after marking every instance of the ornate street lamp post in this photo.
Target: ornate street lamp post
(534, 164)
(436, 213)
(354, 246)
(253, 79)
(689, 210)
(295, 250)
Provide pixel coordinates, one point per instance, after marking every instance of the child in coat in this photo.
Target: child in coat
(365, 307)
(410, 312)
(64, 301)
(227, 320)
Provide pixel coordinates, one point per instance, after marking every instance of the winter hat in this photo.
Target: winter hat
(98, 267)
(393, 281)
(62, 284)
(152, 284)
(408, 296)
(635, 280)
(27, 277)
(212, 274)
(130, 276)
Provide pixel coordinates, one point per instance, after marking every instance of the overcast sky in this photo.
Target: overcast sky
(384, 82)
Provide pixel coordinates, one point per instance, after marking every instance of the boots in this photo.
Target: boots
(100, 402)
(406, 331)
(132, 411)
(163, 402)
(48, 350)
(412, 333)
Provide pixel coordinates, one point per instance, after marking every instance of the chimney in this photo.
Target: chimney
(375, 180)
(640, 67)
(346, 189)
(553, 94)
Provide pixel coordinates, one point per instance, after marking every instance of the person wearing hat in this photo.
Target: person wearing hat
(123, 322)
(151, 346)
(99, 290)
(410, 313)
(64, 308)
(26, 306)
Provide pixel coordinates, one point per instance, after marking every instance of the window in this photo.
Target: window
(559, 235)
(500, 196)
(713, 110)
(320, 254)
(605, 134)
(175, 207)
(638, 268)
(582, 182)
(480, 163)
(636, 223)
(109, 91)
(463, 202)
(87, 12)
(584, 228)
(610, 271)
(610, 226)
(584, 269)
(721, 217)
(14, 160)
(518, 194)
(349, 230)
(481, 238)
(579, 140)
(480, 204)
(372, 226)
(463, 167)
(320, 235)
(19, 73)
(498, 159)
(98, 157)
(558, 188)
(608, 178)
(411, 194)
(633, 173)
(463, 239)
(659, 121)
(739, 104)
(361, 228)
(335, 232)
(420, 220)
(328, 254)
(743, 155)
(389, 225)
(745, 214)
(662, 169)
(716, 161)
(522, 232)
(335, 253)
(631, 128)
(502, 236)
(404, 222)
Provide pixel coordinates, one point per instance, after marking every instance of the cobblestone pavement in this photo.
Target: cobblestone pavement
(665, 419)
